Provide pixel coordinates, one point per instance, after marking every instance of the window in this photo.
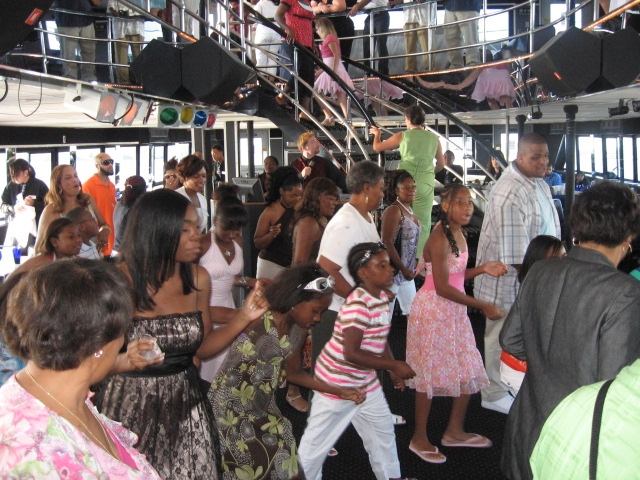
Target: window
(85, 165)
(41, 163)
(558, 10)
(125, 164)
(244, 155)
(627, 158)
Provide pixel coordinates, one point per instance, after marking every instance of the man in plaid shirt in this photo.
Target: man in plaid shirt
(520, 208)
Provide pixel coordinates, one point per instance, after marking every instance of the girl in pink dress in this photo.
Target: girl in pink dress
(331, 56)
(440, 343)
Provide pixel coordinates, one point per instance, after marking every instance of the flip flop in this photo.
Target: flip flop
(291, 401)
(428, 456)
(477, 441)
(398, 419)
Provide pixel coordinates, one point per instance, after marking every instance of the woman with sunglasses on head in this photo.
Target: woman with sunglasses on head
(400, 231)
(254, 436)
(65, 195)
(358, 347)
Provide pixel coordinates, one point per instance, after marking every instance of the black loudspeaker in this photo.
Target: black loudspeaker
(18, 20)
(158, 69)
(211, 73)
(620, 59)
(569, 62)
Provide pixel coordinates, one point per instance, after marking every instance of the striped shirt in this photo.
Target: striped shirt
(512, 219)
(369, 314)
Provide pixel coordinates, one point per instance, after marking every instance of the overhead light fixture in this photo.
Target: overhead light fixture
(621, 109)
(107, 107)
(185, 116)
(137, 112)
(636, 105)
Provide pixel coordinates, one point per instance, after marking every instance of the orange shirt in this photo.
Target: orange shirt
(105, 197)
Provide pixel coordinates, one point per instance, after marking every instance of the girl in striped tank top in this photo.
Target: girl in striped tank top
(358, 347)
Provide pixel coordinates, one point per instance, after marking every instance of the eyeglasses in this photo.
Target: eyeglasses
(369, 253)
(107, 162)
(320, 284)
(170, 176)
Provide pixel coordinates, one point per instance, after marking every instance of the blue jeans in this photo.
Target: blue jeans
(380, 25)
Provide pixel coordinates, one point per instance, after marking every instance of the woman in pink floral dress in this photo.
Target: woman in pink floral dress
(440, 343)
(48, 426)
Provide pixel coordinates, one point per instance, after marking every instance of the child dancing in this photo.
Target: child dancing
(331, 56)
(440, 343)
(356, 350)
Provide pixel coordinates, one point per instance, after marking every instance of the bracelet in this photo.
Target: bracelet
(243, 281)
(103, 227)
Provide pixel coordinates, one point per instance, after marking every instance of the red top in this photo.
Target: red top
(300, 21)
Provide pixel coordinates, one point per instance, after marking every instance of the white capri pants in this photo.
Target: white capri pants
(329, 418)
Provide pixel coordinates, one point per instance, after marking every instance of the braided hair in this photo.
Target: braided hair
(446, 196)
(359, 255)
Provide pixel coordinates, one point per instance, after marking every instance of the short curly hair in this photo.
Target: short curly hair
(62, 313)
(606, 214)
(365, 172)
(190, 166)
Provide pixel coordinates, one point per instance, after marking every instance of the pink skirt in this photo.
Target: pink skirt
(493, 83)
(388, 91)
(327, 85)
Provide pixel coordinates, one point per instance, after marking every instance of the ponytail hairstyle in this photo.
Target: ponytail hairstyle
(360, 255)
(446, 196)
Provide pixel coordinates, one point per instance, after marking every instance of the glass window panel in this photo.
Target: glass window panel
(598, 164)
(627, 157)
(584, 154)
(85, 165)
(612, 155)
(178, 150)
(556, 11)
(41, 163)
(125, 164)
(512, 152)
(145, 164)
(157, 159)
(3, 172)
(64, 157)
(244, 155)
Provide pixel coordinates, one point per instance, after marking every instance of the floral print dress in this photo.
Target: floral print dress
(256, 441)
(440, 343)
(36, 442)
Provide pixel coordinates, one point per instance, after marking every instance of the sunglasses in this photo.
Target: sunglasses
(107, 162)
(320, 284)
(369, 253)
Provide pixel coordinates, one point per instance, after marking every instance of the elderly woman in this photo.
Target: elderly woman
(418, 148)
(50, 428)
(352, 224)
(575, 320)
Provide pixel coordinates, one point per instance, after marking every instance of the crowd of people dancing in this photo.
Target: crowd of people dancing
(166, 363)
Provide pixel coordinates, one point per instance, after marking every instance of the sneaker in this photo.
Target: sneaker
(502, 406)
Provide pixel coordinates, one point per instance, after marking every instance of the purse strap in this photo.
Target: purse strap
(595, 429)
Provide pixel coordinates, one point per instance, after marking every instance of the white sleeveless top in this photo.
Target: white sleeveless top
(221, 273)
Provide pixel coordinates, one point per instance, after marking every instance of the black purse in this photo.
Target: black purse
(397, 242)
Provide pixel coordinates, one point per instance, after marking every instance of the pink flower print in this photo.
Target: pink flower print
(67, 467)
(15, 438)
